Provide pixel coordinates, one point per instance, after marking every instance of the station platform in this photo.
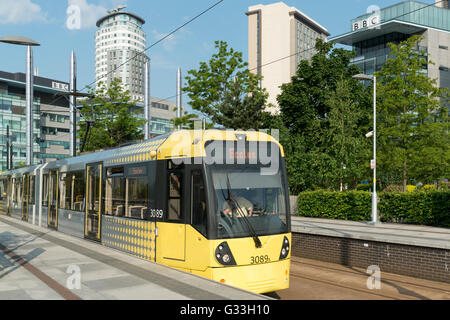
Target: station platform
(405, 234)
(38, 263)
(411, 250)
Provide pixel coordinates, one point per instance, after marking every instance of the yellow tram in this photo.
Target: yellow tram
(209, 202)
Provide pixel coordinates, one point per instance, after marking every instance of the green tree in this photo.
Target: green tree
(413, 124)
(305, 105)
(113, 117)
(346, 145)
(226, 92)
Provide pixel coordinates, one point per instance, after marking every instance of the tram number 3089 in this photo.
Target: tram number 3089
(154, 213)
(259, 259)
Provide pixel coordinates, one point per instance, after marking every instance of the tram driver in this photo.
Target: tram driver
(230, 206)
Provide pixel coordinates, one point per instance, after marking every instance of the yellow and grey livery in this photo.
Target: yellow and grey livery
(213, 203)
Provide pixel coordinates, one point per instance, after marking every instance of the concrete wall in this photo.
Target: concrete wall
(278, 44)
(293, 204)
(439, 56)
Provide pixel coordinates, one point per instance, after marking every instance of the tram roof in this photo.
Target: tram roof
(178, 144)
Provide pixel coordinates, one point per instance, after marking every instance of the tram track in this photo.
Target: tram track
(352, 271)
(341, 286)
(313, 280)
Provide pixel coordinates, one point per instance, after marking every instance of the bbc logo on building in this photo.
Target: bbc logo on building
(370, 22)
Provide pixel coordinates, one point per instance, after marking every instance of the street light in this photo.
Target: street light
(374, 134)
(23, 41)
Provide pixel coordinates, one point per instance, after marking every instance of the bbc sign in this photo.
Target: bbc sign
(370, 22)
(59, 85)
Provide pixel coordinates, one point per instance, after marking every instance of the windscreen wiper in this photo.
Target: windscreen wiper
(243, 216)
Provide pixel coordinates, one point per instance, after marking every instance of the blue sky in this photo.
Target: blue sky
(45, 22)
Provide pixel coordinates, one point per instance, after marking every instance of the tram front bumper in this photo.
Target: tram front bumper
(258, 278)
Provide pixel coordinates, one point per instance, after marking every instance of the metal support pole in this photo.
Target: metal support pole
(179, 100)
(29, 103)
(7, 148)
(11, 156)
(73, 105)
(147, 100)
(374, 193)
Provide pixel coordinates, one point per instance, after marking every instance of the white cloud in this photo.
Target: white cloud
(160, 61)
(116, 3)
(89, 13)
(168, 43)
(171, 41)
(20, 12)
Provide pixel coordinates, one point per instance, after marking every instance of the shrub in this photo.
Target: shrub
(430, 208)
(444, 185)
(352, 205)
(364, 187)
(421, 207)
(393, 187)
(428, 187)
(410, 188)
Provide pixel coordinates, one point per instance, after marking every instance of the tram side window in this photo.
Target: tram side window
(45, 190)
(9, 191)
(77, 203)
(198, 203)
(32, 189)
(175, 183)
(115, 194)
(3, 189)
(53, 189)
(13, 188)
(126, 196)
(19, 190)
(137, 204)
(65, 191)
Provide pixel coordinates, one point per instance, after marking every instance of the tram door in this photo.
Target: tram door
(25, 194)
(52, 219)
(171, 239)
(92, 227)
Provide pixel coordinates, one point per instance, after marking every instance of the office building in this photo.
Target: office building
(370, 34)
(279, 37)
(162, 111)
(120, 43)
(50, 116)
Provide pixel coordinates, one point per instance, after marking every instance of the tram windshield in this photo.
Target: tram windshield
(248, 203)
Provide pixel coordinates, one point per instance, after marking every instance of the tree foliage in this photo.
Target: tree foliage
(347, 145)
(225, 91)
(412, 117)
(113, 116)
(326, 113)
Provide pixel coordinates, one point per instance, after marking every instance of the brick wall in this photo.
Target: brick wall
(421, 262)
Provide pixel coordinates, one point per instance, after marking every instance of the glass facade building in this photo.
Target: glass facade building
(414, 12)
(12, 116)
(161, 113)
(370, 34)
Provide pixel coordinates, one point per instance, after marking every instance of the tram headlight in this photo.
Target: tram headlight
(223, 255)
(284, 248)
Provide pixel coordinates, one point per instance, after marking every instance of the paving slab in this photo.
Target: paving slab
(38, 263)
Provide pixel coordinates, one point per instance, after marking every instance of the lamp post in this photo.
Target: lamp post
(19, 40)
(374, 134)
(179, 101)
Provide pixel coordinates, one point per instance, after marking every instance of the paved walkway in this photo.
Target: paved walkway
(37, 263)
(392, 233)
